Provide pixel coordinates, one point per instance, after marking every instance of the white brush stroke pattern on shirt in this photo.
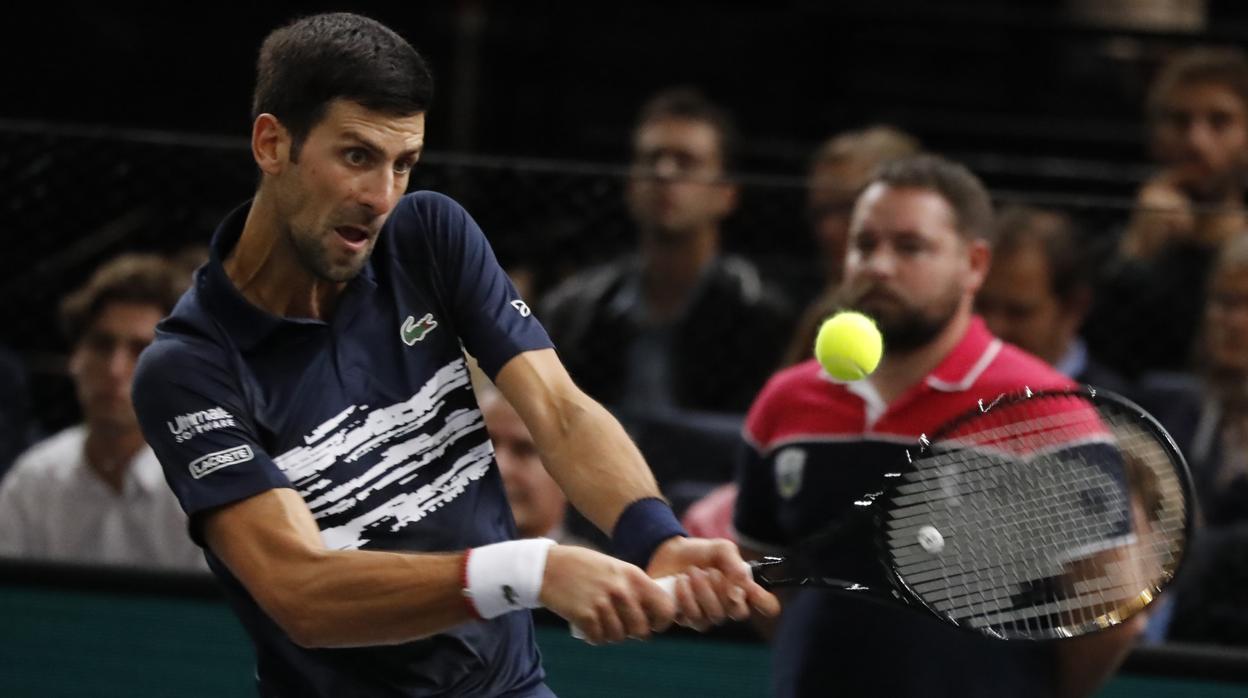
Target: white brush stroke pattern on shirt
(403, 432)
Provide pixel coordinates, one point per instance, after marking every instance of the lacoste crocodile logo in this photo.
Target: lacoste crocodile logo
(414, 330)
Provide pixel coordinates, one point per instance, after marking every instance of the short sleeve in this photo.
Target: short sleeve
(493, 321)
(194, 415)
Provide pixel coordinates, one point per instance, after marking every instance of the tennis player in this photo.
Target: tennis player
(310, 404)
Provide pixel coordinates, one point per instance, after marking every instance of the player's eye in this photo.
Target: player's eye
(404, 166)
(356, 157)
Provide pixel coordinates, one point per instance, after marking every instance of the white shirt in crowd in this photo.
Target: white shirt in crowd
(54, 507)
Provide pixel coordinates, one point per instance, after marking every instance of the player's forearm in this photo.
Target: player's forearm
(356, 598)
(590, 449)
(332, 598)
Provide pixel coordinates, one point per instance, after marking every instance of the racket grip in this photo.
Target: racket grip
(668, 584)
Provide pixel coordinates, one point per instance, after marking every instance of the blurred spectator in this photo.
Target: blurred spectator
(537, 503)
(14, 409)
(678, 324)
(1198, 114)
(1198, 117)
(1039, 290)
(1207, 414)
(94, 493)
(191, 257)
(840, 169)
(919, 251)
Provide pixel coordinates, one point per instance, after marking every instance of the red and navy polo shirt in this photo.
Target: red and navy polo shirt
(815, 445)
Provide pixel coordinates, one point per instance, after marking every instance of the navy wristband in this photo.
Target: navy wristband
(642, 528)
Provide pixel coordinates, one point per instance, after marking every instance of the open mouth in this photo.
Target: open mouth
(354, 235)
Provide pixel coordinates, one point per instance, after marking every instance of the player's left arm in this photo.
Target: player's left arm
(603, 474)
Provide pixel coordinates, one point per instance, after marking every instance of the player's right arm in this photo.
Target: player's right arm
(342, 598)
(196, 414)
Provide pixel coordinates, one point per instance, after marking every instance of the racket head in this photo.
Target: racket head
(1040, 515)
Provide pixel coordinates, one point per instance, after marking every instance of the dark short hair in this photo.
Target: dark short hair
(689, 103)
(142, 279)
(962, 190)
(1227, 67)
(309, 63)
(1055, 235)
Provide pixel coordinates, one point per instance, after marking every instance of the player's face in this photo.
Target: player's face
(1226, 319)
(1202, 133)
(536, 500)
(676, 186)
(350, 172)
(907, 266)
(103, 360)
(1018, 304)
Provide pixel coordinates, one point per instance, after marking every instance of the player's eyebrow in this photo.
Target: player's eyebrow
(376, 150)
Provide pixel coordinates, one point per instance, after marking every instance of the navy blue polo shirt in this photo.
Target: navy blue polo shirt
(370, 417)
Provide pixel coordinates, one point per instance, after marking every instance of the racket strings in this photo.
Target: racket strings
(1045, 524)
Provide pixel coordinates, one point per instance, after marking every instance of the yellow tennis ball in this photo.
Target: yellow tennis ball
(849, 346)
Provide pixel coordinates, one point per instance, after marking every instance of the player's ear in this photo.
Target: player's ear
(270, 144)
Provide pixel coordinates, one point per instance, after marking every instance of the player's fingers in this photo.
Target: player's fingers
(705, 584)
(659, 604)
(761, 600)
(587, 628)
(736, 604)
(612, 628)
(633, 616)
(737, 577)
(727, 559)
(688, 613)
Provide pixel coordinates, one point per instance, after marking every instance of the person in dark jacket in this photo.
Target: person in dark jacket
(1039, 290)
(679, 323)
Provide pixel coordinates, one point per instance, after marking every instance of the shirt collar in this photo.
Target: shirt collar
(963, 366)
(247, 324)
(143, 472)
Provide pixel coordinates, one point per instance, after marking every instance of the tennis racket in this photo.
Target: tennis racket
(1040, 515)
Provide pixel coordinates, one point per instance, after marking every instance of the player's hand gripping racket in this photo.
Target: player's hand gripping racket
(1038, 516)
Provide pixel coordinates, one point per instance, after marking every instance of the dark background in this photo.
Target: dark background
(123, 126)
(564, 79)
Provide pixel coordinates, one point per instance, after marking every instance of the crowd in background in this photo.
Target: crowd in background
(679, 336)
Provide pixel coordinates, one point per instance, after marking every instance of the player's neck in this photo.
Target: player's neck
(109, 452)
(899, 371)
(672, 265)
(266, 269)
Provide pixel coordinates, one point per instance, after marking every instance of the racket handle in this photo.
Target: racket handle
(668, 584)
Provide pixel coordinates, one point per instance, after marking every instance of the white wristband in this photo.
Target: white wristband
(507, 576)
